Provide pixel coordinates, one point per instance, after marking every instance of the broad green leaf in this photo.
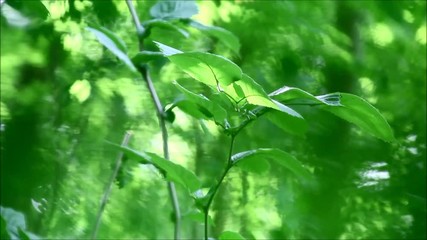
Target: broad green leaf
(298, 96)
(112, 43)
(226, 37)
(146, 56)
(207, 68)
(281, 157)
(174, 9)
(229, 235)
(200, 104)
(359, 112)
(246, 88)
(166, 50)
(174, 172)
(165, 25)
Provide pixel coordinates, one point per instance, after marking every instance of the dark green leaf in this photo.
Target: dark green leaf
(226, 37)
(174, 9)
(112, 43)
(359, 112)
(207, 68)
(288, 123)
(144, 57)
(165, 25)
(174, 172)
(170, 116)
(281, 157)
(229, 235)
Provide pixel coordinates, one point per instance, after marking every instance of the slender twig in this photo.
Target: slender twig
(212, 192)
(160, 114)
(110, 185)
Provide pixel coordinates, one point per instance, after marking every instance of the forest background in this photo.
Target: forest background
(63, 95)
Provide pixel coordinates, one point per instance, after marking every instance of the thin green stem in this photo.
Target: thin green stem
(160, 115)
(212, 192)
(109, 186)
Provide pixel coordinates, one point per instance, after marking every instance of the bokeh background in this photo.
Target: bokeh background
(63, 95)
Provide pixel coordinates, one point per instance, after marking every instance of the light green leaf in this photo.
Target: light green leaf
(247, 88)
(359, 112)
(160, 23)
(226, 37)
(174, 9)
(229, 235)
(207, 68)
(281, 157)
(200, 106)
(112, 43)
(174, 172)
(166, 50)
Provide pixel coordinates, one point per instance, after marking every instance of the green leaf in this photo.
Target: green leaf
(253, 157)
(200, 106)
(288, 123)
(301, 97)
(165, 25)
(166, 50)
(207, 68)
(112, 43)
(231, 235)
(173, 172)
(174, 9)
(226, 37)
(144, 57)
(247, 88)
(198, 216)
(359, 112)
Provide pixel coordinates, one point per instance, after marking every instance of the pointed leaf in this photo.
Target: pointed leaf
(226, 37)
(359, 112)
(112, 43)
(174, 172)
(229, 235)
(288, 123)
(281, 157)
(166, 50)
(174, 9)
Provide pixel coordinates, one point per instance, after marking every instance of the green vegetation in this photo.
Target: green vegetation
(213, 119)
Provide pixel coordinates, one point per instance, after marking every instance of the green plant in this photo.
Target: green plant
(233, 101)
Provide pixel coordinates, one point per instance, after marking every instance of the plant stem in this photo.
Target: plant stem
(110, 185)
(160, 115)
(212, 192)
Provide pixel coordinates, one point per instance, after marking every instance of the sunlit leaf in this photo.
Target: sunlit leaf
(359, 112)
(229, 235)
(174, 9)
(207, 68)
(253, 157)
(174, 172)
(112, 43)
(226, 37)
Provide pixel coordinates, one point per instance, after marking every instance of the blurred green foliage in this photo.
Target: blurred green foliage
(63, 95)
